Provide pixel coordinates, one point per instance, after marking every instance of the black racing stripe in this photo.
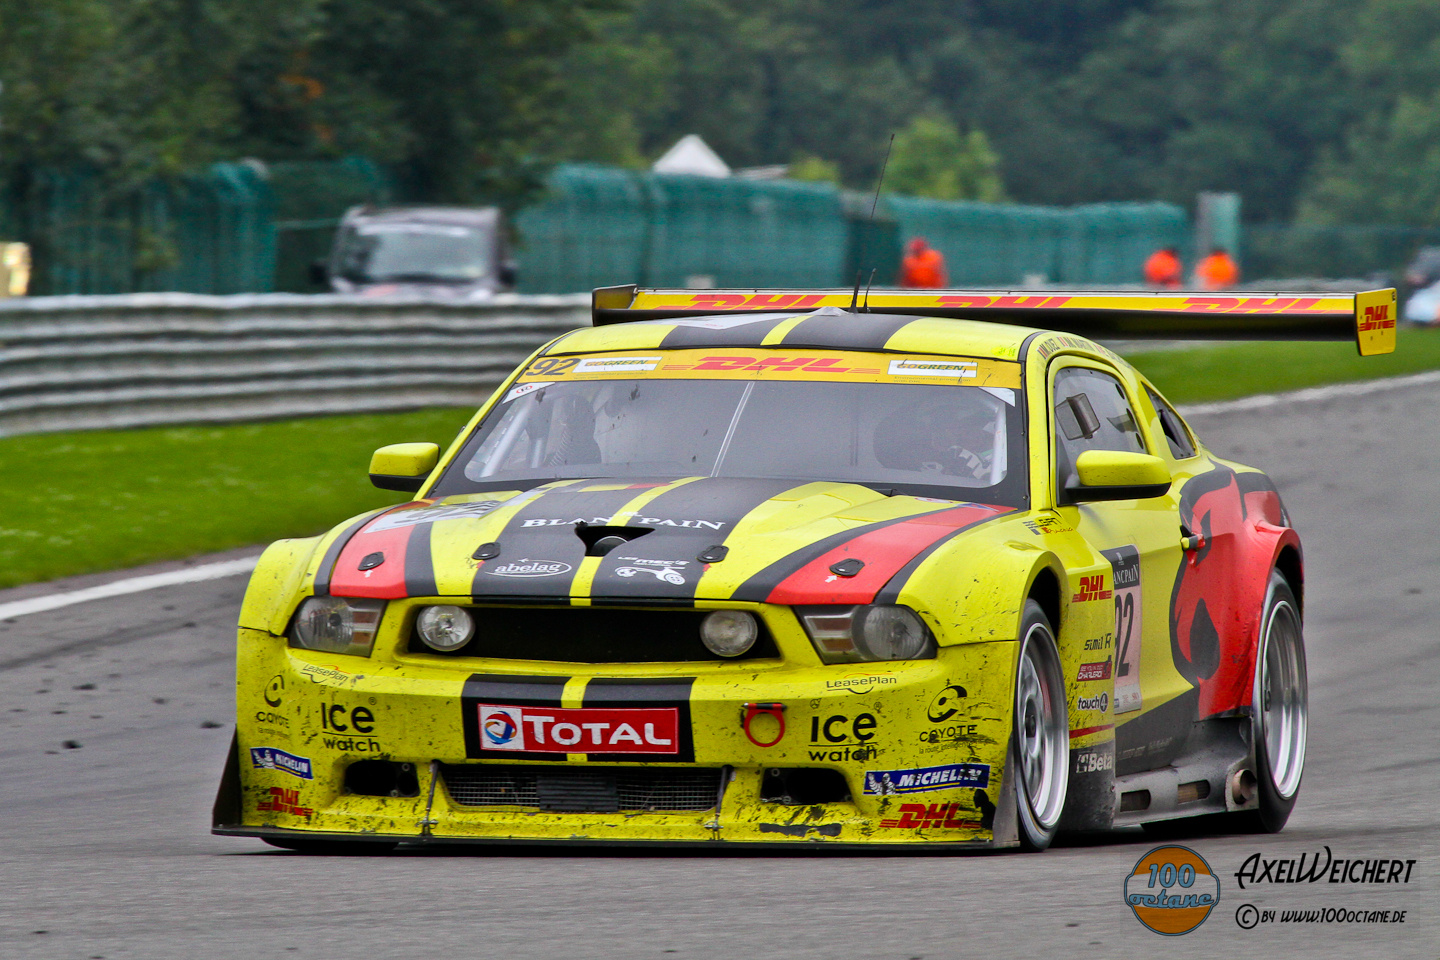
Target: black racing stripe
(748, 334)
(548, 538)
(761, 585)
(657, 692)
(662, 566)
(512, 691)
(846, 331)
(332, 553)
(890, 593)
(419, 564)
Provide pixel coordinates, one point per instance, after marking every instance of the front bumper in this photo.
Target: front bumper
(765, 752)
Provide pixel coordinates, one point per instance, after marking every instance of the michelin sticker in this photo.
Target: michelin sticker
(925, 779)
(268, 758)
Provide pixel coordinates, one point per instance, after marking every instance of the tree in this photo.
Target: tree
(932, 158)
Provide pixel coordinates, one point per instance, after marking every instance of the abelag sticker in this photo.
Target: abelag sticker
(925, 779)
(268, 758)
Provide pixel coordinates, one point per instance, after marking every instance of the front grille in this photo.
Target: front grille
(591, 635)
(582, 790)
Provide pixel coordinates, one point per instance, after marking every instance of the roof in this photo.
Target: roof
(828, 328)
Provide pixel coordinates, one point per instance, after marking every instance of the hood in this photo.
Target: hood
(648, 541)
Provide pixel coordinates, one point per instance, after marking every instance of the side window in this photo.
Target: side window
(1177, 435)
(1091, 413)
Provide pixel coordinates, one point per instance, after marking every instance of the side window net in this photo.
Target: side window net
(1177, 435)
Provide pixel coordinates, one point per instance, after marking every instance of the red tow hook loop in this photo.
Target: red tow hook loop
(753, 710)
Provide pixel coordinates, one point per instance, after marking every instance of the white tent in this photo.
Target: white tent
(692, 155)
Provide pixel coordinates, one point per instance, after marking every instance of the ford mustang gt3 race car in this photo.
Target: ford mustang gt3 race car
(769, 567)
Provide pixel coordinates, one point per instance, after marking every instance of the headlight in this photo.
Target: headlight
(876, 632)
(445, 629)
(336, 625)
(729, 633)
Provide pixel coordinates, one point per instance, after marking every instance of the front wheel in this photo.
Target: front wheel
(1280, 708)
(1040, 744)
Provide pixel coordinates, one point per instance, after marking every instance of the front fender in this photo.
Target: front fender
(974, 590)
(275, 583)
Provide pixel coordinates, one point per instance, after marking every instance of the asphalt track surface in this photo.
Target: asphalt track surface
(115, 716)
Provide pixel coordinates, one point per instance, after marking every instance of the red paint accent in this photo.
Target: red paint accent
(1231, 575)
(884, 551)
(385, 582)
(1086, 731)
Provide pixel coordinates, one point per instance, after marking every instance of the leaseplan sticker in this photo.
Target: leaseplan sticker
(924, 779)
(964, 369)
(616, 364)
(268, 758)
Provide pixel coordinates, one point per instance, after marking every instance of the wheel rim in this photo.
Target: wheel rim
(1280, 698)
(1041, 738)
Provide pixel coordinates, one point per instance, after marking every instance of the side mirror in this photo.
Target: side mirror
(1118, 475)
(403, 466)
(320, 273)
(508, 274)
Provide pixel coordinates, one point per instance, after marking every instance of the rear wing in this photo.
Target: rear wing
(1367, 319)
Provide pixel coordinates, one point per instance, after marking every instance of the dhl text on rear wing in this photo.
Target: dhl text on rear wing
(1367, 318)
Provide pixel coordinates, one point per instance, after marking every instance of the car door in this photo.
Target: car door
(1091, 408)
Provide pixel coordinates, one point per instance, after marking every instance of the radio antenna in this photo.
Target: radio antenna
(869, 228)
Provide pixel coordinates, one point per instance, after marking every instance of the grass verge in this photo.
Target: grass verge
(1204, 374)
(84, 502)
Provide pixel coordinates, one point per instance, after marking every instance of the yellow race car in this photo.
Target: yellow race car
(771, 566)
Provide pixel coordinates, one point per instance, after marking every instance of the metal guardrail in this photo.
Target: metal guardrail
(103, 362)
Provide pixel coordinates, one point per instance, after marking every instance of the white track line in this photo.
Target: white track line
(1312, 394)
(209, 571)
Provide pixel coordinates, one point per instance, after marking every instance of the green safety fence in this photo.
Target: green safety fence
(992, 244)
(209, 232)
(255, 227)
(310, 198)
(589, 231)
(601, 225)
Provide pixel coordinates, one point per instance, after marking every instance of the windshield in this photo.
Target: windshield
(389, 252)
(954, 442)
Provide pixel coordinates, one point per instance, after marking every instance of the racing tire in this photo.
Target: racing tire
(1280, 713)
(1040, 738)
(332, 848)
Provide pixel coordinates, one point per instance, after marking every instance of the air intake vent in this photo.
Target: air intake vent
(590, 635)
(583, 789)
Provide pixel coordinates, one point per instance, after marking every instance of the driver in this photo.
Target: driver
(943, 435)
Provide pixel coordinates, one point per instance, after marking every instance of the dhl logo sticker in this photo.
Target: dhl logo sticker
(1377, 318)
(1250, 304)
(919, 816)
(1028, 303)
(283, 800)
(1092, 588)
(755, 301)
(776, 364)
